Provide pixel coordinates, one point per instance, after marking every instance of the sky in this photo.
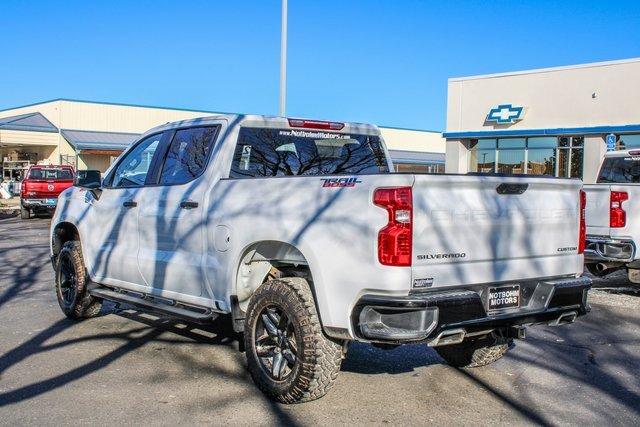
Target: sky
(382, 62)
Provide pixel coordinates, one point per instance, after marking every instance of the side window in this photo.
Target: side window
(132, 170)
(187, 155)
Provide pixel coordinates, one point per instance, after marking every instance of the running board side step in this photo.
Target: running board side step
(157, 304)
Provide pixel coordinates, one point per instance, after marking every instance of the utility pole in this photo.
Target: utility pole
(283, 60)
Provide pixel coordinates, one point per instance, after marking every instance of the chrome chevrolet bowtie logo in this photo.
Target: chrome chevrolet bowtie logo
(505, 113)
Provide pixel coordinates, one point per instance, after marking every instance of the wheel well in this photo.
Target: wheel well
(267, 260)
(64, 232)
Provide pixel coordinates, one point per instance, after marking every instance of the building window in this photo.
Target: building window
(511, 155)
(541, 155)
(562, 157)
(415, 167)
(483, 156)
(626, 142)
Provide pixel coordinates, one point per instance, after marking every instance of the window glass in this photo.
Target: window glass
(482, 144)
(285, 152)
(51, 174)
(626, 142)
(542, 142)
(482, 161)
(187, 155)
(577, 159)
(577, 141)
(511, 161)
(541, 161)
(132, 170)
(420, 167)
(623, 170)
(511, 143)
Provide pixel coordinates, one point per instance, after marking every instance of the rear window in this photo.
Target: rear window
(621, 170)
(51, 174)
(282, 152)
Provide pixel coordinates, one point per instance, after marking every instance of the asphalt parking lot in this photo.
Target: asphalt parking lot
(132, 368)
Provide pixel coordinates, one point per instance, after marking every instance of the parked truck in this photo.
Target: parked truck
(41, 186)
(613, 231)
(299, 232)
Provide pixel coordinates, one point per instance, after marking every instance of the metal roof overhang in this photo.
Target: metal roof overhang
(93, 141)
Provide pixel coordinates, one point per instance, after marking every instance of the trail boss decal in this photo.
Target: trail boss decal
(340, 182)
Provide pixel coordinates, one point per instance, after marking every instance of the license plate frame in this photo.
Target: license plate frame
(498, 302)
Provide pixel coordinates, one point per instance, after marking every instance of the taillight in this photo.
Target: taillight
(315, 124)
(395, 239)
(582, 239)
(617, 215)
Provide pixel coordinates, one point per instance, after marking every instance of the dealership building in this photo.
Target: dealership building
(553, 121)
(90, 135)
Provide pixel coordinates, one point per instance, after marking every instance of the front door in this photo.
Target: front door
(171, 222)
(112, 219)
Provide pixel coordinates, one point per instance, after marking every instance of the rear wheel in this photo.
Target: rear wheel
(24, 213)
(474, 353)
(71, 281)
(289, 357)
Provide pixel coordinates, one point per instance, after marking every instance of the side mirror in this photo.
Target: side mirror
(89, 180)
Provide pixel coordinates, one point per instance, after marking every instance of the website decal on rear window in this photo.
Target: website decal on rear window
(262, 152)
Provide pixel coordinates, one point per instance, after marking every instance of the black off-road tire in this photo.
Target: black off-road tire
(78, 304)
(475, 353)
(318, 358)
(25, 213)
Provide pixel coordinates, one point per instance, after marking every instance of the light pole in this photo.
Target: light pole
(283, 60)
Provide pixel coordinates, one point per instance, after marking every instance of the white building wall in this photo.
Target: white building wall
(554, 97)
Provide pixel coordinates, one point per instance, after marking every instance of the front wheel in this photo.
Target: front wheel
(71, 284)
(289, 357)
(475, 353)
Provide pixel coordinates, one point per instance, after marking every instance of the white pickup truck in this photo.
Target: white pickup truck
(300, 233)
(613, 229)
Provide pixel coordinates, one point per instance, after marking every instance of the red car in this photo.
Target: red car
(41, 187)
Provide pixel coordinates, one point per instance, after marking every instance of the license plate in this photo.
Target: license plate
(50, 201)
(504, 297)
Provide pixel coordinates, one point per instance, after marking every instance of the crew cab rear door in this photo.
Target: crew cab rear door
(171, 226)
(488, 229)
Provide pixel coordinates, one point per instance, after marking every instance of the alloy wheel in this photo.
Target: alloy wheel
(275, 343)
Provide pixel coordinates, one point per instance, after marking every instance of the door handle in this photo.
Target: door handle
(188, 204)
(130, 204)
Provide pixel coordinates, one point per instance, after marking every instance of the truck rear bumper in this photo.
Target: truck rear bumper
(40, 203)
(449, 316)
(607, 249)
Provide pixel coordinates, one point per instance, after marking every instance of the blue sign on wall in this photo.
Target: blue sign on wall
(611, 142)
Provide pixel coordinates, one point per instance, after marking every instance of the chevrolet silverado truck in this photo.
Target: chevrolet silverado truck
(613, 232)
(41, 186)
(300, 234)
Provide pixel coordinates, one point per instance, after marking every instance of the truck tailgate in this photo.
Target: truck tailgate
(597, 212)
(486, 229)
